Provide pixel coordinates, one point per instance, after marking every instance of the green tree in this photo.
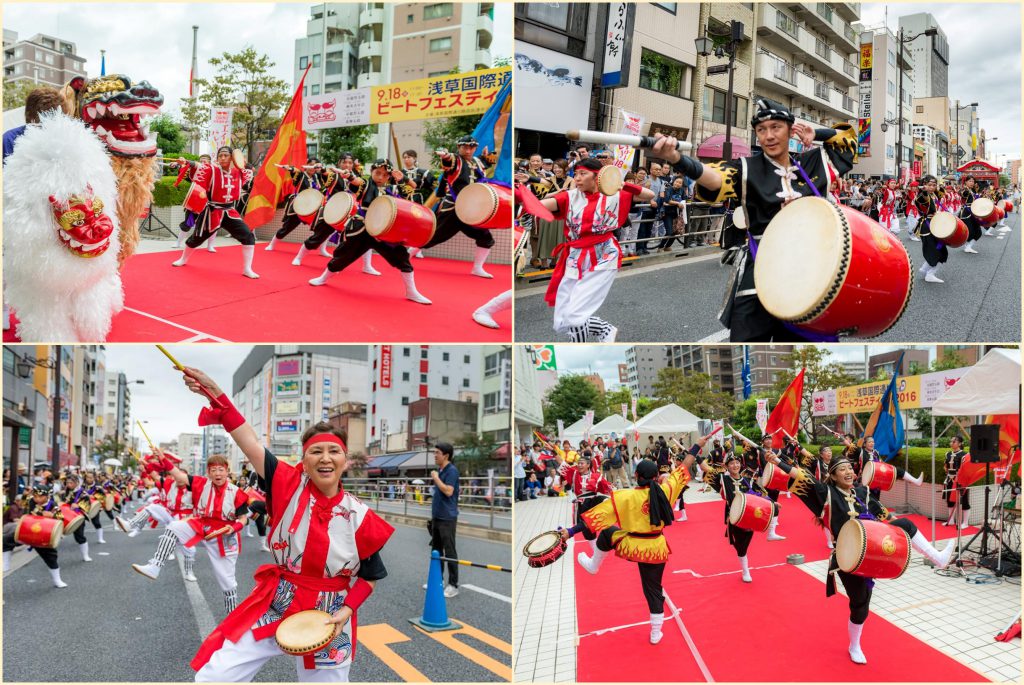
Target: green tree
(354, 139)
(15, 93)
(744, 418)
(169, 136)
(570, 399)
(821, 374)
(475, 453)
(442, 133)
(695, 392)
(242, 82)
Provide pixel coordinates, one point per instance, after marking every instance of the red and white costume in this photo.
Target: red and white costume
(887, 211)
(584, 484)
(222, 188)
(317, 544)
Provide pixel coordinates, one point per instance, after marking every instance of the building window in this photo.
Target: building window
(465, 359)
(786, 24)
(555, 15)
(314, 89)
(409, 18)
(316, 60)
(662, 74)
(714, 107)
(419, 424)
(445, 356)
(423, 378)
(405, 375)
(423, 353)
(303, 62)
(920, 109)
(491, 403)
(405, 352)
(438, 11)
(444, 380)
(405, 401)
(891, 87)
(667, 6)
(892, 58)
(441, 44)
(465, 382)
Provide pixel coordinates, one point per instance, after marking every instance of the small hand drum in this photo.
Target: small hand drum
(238, 157)
(545, 549)
(609, 180)
(305, 632)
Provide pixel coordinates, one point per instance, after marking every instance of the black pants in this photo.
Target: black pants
(95, 520)
(290, 222)
(238, 229)
(80, 534)
(448, 225)
(259, 515)
(520, 489)
(932, 253)
(49, 556)
(321, 232)
(650, 574)
(858, 589)
(355, 246)
(751, 322)
(443, 540)
(189, 222)
(974, 228)
(740, 539)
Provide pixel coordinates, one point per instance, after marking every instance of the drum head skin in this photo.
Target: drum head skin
(305, 632)
(851, 545)
(541, 544)
(609, 180)
(868, 473)
(338, 208)
(739, 218)
(308, 201)
(736, 508)
(238, 158)
(982, 207)
(380, 215)
(802, 257)
(476, 204)
(943, 225)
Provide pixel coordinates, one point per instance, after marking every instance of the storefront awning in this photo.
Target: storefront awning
(712, 147)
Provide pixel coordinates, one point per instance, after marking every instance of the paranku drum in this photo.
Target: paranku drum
(305, 632)
(872, 549)
(238, 158)
(949, 228)
(878, 475)
(750, 512)
(485, 205)
(108, 502)
(394, 220)
(307, 203)
(39, 531)
(832, 270)
(195, 199)
(339, 208)
(773, 478)
(73, 518)
(985, 210)
(92, 507)
(545, 549)
(609, 180)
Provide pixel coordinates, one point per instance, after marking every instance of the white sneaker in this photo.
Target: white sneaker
(747, 578)
(932, 278)
(151, 571)
(191, 577)
(481, 273)
(451, 591)
(772, 537)
(988, 231)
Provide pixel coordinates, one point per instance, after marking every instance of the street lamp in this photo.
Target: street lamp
(973, 104)
(899, 62)
(705, 46)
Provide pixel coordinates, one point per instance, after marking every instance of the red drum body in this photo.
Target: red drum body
(773, 478)
(1009, 206)
(339, 208)
(307, 204)
(485, 205)
(39, 531)
(985, 210)
(545, 549)
(73, 518)
(831, 270)
(949, 228)
(254, 495)
(750, 512)
(195, 199)
(878, 475)
(872, 549)
(394, 220)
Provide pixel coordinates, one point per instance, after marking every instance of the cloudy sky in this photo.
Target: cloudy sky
(605, 359)
(163, 400)
(984, 60)
(153, 41)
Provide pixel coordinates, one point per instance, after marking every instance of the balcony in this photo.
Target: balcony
(369, 79)
(485, 23)
(483, 56)
(371, 17)
(821, 17)
(782, 75)
(373, 48)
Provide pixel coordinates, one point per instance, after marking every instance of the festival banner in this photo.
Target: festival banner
(543, 357)
(623, 154)
(762, 414)
(220, 127)
(624, 411)
(385, 366)
(449, 95)
(915, 392)
(333, 110)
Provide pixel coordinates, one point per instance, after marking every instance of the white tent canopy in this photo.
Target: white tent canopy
(667, 420)
(992, 386)
(611, 424)
(575, 432)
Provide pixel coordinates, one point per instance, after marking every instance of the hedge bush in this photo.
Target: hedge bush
(172, 169)
(166, 195)
(920, 461)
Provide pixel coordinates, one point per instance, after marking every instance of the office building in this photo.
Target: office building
(42, 59)
(930, 55)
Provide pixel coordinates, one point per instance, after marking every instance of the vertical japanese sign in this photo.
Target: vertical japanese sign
(617, 45)
(624, 411)
(588, 420)
(624, 154)
(561, 430)
(864, 120)
(385, 366)
(762, 414)
(220, 127)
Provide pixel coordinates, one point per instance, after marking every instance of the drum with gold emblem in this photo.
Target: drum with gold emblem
(394, 220)
(873, 549)
(751, 512)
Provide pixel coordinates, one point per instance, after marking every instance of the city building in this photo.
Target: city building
(1013, 171)
(528, 409)
(283, 389)
(930, 55)
(807, 60)
(41, 59)
(718, 361)
(495, 407)
(884, 67)
(931, 148)
(965, 126)
(595, 380)
(643, 363)
(884, 364)
(350, 417)
(402, 374)
(27, 409)
(968, 354)
(767, 362)
(432, 420)
(190, 451)
(856, 369)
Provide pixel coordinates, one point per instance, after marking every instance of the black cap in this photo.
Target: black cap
(767, 110)
(467, 140)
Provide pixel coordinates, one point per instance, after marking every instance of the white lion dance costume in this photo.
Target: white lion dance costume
(60, 234)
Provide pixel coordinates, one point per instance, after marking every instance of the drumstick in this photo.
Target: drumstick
(145, 435)
(621, 139)
(177, 365)
(217, 533)
(962, 429)
(741, 436)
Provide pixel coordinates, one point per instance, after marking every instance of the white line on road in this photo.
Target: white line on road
(200, 609)
(489, 593)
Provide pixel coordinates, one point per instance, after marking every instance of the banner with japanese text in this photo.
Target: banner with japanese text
(220, 127)
(449, 95)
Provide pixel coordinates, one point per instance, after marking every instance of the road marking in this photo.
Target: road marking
(489, 593)
(200, 608)
(376, 638)
(177, 325)
(449, 640)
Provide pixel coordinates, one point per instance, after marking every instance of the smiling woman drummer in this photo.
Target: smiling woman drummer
(326, 547)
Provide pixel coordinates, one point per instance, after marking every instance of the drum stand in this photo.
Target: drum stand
(147, 224)
(956, 565)
(986, 528)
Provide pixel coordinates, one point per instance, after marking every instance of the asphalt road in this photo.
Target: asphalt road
(112, 624)
(679, 301)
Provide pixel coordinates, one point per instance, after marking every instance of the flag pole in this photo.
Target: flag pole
(193, 73)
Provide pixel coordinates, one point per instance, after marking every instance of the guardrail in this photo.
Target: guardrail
(480, 499)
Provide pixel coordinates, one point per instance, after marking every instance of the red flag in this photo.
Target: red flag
(289, 147)
(1009, 437)
(786, 415)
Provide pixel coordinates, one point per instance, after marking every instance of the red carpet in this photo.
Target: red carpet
(755, 632)
(210, 300)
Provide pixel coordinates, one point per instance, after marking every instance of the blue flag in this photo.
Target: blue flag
(886, 422)
(486, 132)
(747, 389)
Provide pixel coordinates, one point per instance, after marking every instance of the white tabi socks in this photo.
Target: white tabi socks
(183, 259)
(485, 314)
(55, 577)
(210, 247)
(298, 257)
(593, 562)
(910, 479)
(410, 288)
(772, 535)
(940, 559)
(324, 252)
(368, 264)
(854, 630)
(969, 248)
(322, 278)
(248, 251)
(478, 262)
(99, 536)
(745, 565)
(657, 621)
(271, 244)
(84, 546)
(7, 561)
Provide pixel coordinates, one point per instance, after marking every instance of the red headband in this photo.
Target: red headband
(323, 437)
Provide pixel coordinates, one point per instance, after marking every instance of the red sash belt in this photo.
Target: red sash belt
(587, 243)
